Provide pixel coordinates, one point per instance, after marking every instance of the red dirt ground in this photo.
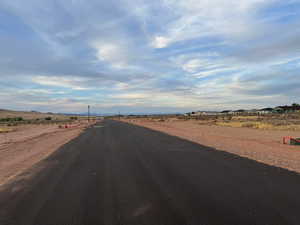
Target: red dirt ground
(28, 145)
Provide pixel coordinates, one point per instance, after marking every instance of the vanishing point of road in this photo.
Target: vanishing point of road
(115, 173)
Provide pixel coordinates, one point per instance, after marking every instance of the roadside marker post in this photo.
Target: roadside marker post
(88, 113)
(286, 140)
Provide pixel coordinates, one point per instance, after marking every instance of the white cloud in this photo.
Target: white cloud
(115, 53)
(131, 96)
(195, 65)
(205, 64)
(145, 53)
(107, 51)
(202, 18)
(211, 72)
(40, 92)
(161, 42)
(192, 65)
(66, 82)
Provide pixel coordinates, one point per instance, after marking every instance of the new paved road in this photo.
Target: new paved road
(121, 174)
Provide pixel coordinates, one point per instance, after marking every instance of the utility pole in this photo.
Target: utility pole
(88, 113)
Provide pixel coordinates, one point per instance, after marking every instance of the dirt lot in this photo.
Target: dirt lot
(261, 145)
(21, 149)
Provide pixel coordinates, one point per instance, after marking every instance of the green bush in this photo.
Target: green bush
(11, 119)
(12, 124)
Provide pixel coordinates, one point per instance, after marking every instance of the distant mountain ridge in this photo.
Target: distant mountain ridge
(28, 115)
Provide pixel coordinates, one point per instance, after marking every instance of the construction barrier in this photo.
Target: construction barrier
(291, 141)
(69, 125)
(286, 140)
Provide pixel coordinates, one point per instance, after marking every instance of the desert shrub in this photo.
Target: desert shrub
(5, 130)
(229, 124)
(248, 124)
(11, 119)
(48, 118)
(12, 124)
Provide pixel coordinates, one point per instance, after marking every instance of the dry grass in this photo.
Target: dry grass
(260, 125)
(245, 117)
(284, 122)
(5, 130)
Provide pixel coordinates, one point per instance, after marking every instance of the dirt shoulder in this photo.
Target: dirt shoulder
(261, 145)
(21, 149)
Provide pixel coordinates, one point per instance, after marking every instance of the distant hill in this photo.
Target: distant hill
(4, 113)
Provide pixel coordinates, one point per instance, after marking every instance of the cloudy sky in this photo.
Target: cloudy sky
(138, 56)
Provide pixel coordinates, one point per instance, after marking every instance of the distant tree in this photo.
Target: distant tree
(226, 111)
(48, 118)
(11, 119)
(295, 104)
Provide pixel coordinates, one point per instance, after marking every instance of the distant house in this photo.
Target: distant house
(199, 113)
(226, 112)
(266, 111)
(202, 113)
(192, 114)
(286, 108)
(278, 109)
(212, 113)
(253, 111)
(238, 112)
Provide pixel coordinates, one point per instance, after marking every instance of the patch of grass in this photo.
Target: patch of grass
(5, 130)
(11, 119)
(295, 127)
(229, 124)
(244, 117)
(260, 125)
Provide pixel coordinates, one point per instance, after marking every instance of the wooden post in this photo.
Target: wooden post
(88, 113)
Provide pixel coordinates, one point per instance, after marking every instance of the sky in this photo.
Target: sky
(141, 56)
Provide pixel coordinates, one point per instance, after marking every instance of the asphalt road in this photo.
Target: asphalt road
(120, 174)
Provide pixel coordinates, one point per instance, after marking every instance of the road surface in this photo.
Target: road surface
(120, 174)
